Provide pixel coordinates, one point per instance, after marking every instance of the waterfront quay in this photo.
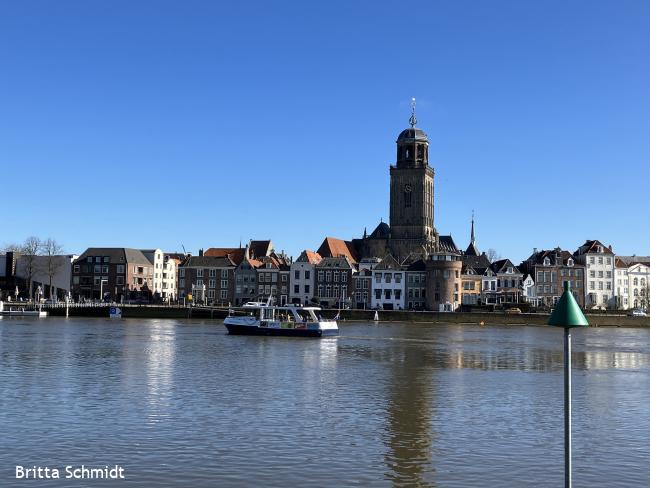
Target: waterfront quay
(421, 317)
(178, 402)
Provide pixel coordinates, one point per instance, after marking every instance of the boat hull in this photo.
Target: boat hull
(234, 329)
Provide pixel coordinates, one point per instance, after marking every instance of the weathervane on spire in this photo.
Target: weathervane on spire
(413, 120)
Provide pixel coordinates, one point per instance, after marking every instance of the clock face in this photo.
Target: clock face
(407, 188)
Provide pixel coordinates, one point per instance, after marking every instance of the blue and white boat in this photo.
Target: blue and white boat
(287, 321)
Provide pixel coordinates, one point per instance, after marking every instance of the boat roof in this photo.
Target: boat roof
(283, 307)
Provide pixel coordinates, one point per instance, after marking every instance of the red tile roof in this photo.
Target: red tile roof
(333, 247)
(236, 254)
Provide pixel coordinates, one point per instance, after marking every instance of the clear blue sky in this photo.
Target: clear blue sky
(156, 124)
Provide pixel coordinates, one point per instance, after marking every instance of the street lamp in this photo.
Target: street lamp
(567, 314)
(101, 289)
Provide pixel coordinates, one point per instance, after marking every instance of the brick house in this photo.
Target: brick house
(550, 269)
(208, 279)
(118, 273)
(334, 283)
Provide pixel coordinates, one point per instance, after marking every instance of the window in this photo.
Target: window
(377, 294)
(547, 262)
(336, 276)
(211, 294)
(344, 290)
(388, 277)
(224, 273)
(76, 268)
(105, 269)
(199, 282)
(213, 273)
(98, 268)
(328, 276)
(377, 277)
(306, 288)
(320, 276)
(320, 290)
(119, 280)
(388, 294)
(212, 284)
(224, 283)
(600, 260)
(296, 274)
(120, 269)
(592, 260)
(609, 260)
(592, 273)
(296, 288)
(181, 283)
(344, 276)
(398, 294)
(224, 294)
(398, 278)
(199, 273)
(307, 274)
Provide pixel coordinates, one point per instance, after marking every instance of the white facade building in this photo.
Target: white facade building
(639, 285)
(388, 285)
(59, 267)
(529, 290)
(165, 274)
(302, 277)
(599, 274)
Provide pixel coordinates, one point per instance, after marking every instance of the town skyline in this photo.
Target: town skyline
(178, 129)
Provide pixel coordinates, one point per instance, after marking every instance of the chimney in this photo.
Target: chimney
(201, 252)
(534, 250)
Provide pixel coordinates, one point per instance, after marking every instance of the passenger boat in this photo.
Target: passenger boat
(288, 321)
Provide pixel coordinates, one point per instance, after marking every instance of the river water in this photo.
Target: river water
(180, 403)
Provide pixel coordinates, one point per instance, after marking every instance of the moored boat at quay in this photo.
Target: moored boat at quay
(287, 321)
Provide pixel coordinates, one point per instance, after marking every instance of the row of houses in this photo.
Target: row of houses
(335, 276)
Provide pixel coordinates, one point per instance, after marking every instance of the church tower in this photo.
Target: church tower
(411, 194)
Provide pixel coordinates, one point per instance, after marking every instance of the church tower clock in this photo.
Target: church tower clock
(411, 194)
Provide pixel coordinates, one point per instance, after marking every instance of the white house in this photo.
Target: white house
(529, 290)
(388, 285)
(599, 274)
(302, 277)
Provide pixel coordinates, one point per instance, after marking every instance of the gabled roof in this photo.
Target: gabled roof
(382, 231)
(333, 247)
(388, 263)
(235, 253)
(501, 264)
(472, 250)
(557, 257)
(591, 246)
(310, 257)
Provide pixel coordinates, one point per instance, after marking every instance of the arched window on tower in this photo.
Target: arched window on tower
(408, 152)
(408, 198)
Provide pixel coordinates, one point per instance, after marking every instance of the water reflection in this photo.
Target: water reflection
(408, 419)
(160, 359)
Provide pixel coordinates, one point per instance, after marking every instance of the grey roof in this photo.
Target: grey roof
(629, 260)
(382, 231)
(471, 250)
(334, 262)
(388, 263)
(208, 262)
(499, 265)
(116, 254)
(476, 262)
(412, 134)
(447, 244)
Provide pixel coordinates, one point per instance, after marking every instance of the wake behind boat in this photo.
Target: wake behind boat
(288, 321)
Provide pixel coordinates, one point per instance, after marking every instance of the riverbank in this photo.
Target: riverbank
(481, 318)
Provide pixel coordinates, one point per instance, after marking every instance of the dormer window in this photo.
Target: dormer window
(547, 261)
(510, 270)
(569, 262)
(600, 249)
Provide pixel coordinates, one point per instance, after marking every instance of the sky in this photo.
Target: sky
(201, 124)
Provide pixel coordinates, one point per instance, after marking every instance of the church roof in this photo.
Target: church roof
(472, 250)
(382, 231)
(412, 134)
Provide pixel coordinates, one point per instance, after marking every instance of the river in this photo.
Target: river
(180, 403)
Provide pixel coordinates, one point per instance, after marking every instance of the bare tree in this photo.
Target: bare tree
(51, 250)
(492, 255)
(29, 250)
(11, 247)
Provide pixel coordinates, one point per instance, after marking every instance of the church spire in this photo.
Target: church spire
(413, 120)
(472, 240)
(472, 250)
